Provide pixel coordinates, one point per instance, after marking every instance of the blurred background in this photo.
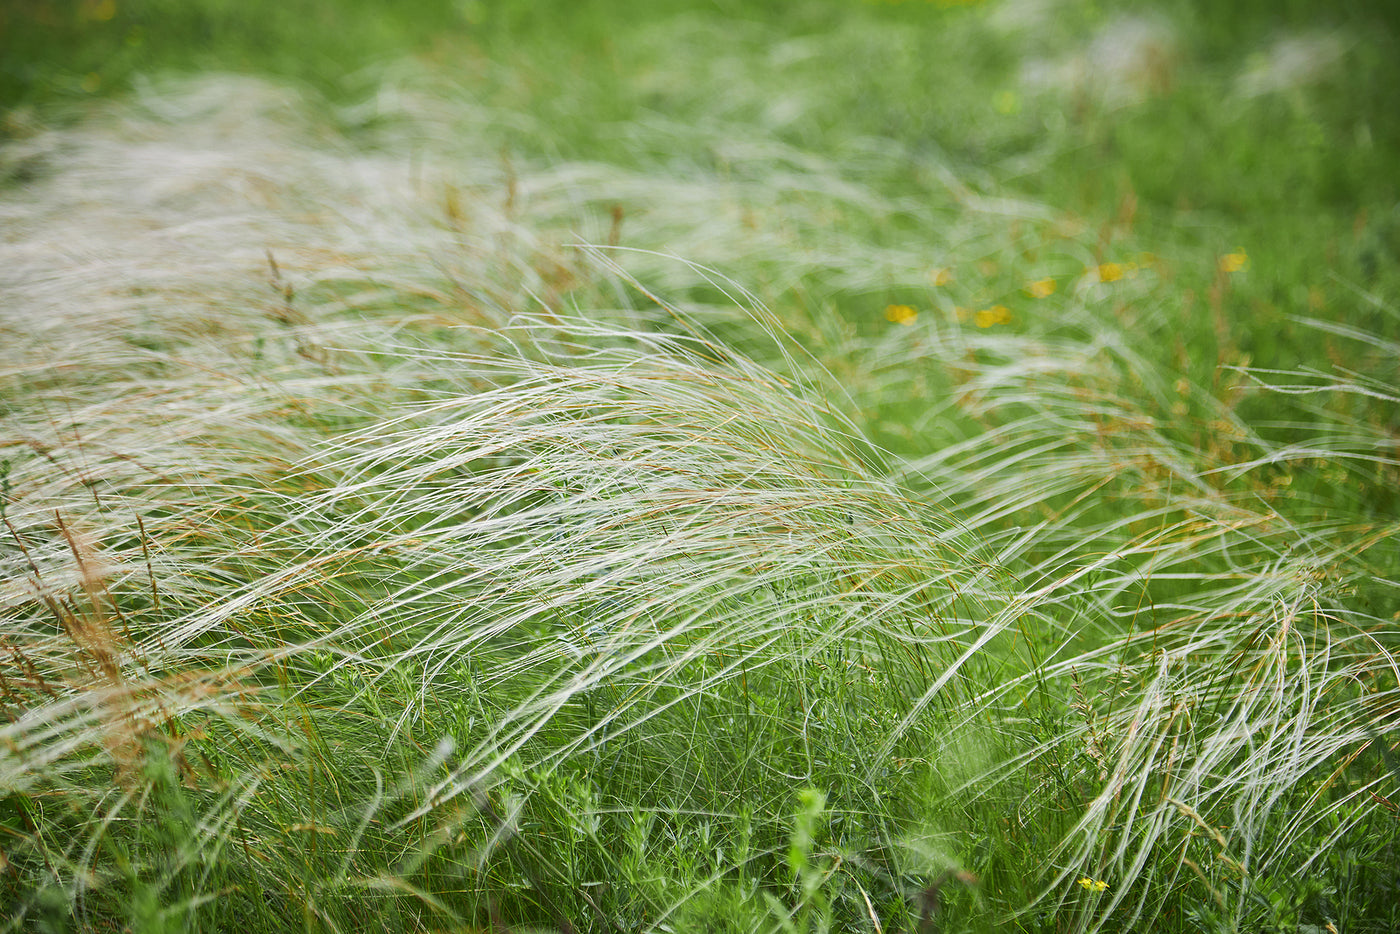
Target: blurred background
(1268, 127)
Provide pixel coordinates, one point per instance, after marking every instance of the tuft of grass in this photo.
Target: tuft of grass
(399, 532)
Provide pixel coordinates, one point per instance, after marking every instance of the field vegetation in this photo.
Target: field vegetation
(621, 467)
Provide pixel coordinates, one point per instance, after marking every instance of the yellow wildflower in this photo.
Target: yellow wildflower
(940, 277)
(1041, 288)
(997, 314)
(1093, 885)
(1234, 262)
(901, 314)
(1110, 272)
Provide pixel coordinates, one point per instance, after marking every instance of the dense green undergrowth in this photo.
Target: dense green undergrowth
(885, 467)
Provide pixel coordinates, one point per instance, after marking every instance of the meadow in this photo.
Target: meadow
(678, 466)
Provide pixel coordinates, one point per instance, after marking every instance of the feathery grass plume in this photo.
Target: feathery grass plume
(655, 561)
(1220, 676)
(372, 557)
(159, 386)
(641, 546)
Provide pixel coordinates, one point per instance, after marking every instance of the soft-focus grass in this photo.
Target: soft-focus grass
(62, 51)
(954, 490)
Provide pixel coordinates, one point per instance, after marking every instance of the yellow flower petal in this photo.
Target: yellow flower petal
(941, 277)
(1041, 288)
(1110, 272)
(1234, 262)
(901, 314)
(997, 314)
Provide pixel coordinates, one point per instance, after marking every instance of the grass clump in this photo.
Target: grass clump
(398, 533)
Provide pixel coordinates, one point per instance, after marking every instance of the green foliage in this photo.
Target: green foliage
(666, 467)
(66, 50)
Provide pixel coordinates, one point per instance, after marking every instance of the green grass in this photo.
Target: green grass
(699, 467)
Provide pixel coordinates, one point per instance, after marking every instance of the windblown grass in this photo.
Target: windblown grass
(399, 533)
